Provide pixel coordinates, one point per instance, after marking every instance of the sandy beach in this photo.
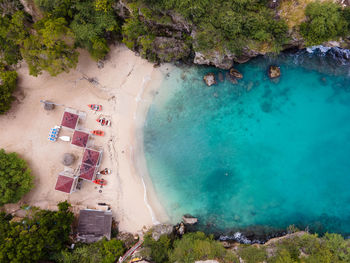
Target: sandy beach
(125, 86)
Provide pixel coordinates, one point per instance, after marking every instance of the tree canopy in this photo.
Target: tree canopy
(40, 235)
(15, 178)
(325, 21)
(50, 47)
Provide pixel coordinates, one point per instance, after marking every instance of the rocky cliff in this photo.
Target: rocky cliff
(171, 38)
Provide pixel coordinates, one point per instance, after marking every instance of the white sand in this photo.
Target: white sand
(126, 84)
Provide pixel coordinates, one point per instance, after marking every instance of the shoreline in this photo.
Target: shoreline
(125, 86)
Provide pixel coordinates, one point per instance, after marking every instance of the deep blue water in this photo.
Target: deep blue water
(257, 154)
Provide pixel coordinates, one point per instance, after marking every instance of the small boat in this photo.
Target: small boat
(98, 132)
(100, 181)
(105, 171)
(64, 138)
(95, 107)
(104, 121)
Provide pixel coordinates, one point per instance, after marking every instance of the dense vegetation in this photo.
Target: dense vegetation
(325, 21)
(298, 247)
(8, 84)
(103, 251)
(40, 235)
(228, 25)
(15, 178)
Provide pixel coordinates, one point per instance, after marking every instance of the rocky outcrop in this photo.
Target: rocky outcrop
(214, 58)
(127, 238)
(274, 72)
(235, 73)
(180, 229)
(170, 49)
(209, 79)
(161, 229)
(188, 219)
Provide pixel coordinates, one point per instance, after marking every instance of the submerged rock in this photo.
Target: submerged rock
(189, 220)
(231, 79)
(209, 79)
(161, 229)
(235, 73)
(221, 76)
(274, 72)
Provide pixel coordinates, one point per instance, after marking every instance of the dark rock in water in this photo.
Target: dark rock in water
(231, 79)
(221, 76)
(209, 79)
(235, 73)
(274, 72)
(189, 220)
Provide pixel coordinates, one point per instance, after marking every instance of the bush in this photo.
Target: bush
(325, 21)
(252, 254)
(8, 84)
(15, 178)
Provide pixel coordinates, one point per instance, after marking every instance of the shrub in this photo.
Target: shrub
(158, 250)
(15, 178)
(252, 254)
(103, 251)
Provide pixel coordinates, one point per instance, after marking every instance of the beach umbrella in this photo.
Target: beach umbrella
(68, 159)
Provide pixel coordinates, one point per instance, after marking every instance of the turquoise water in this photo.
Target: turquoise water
(259, 153)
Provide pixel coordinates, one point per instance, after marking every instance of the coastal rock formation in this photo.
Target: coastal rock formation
(274, 72)
(169, 49)
(214, 58)
(189, 220)
(127, 238)
(180, 229)
(235, 73)
(209, 79)
(161, 229)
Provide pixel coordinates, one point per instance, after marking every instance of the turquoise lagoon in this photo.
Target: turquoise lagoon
(258, 154)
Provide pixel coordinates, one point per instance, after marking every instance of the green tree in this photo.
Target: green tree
(41, 235)
(12, 32)
(50, 48)
(103, 251)
(15, 178)
(91, 27)
(325, 21)
(8, 84)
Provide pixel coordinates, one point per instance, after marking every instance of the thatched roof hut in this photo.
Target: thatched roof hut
(68, 159)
